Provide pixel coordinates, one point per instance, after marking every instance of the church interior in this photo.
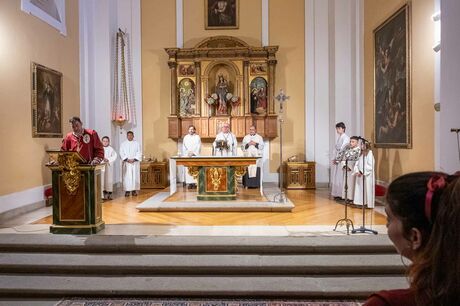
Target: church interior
(240, 220)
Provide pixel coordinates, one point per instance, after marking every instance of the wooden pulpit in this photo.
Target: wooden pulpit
(77, 203)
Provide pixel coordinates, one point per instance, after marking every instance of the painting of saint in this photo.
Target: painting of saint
(46, 102)
(392, 125)
(187, 103)
(259, 96)
(221, 14)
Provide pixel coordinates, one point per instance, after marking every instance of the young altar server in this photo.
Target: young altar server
(253, 145)
(225, 143)
(131, 155)
(110, 156)
(351, 156)
(191, 146)
(364, 167)
(336, 169)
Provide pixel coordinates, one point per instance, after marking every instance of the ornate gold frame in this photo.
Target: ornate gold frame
(237, 17)
(406, 9)
(36, 130)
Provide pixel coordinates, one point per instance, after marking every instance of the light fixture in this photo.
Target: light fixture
(437, 47)
(436, 16)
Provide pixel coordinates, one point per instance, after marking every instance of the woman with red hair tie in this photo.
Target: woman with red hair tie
(423, 212)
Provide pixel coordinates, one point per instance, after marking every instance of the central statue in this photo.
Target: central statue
(222, 97)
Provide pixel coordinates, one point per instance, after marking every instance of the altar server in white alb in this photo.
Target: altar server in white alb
(351, 157)
(131, 155)
(110, 156)
(364, 167)
(225, 143)
(336, 168)
(253, 145)
(191, 146)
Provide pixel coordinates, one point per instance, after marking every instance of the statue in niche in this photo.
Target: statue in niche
(187, 103)
(258, 96)
(222, 97)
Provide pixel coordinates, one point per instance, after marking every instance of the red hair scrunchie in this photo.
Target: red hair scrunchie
(436, 182)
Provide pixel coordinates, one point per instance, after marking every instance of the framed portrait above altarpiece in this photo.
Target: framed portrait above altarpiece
(221, 14)
(46, 101)
(392, 82)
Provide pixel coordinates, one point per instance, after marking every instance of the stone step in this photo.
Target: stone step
(194, 286)
(215, 264)
(341, 244)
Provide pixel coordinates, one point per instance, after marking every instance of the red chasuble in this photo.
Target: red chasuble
(88, 145)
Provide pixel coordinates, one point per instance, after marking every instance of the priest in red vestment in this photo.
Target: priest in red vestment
(84, 141)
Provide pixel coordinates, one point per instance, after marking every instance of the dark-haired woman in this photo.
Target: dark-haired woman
(423, 212)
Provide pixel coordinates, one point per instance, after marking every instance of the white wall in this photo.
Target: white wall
(99, 23)
(334, 81)
(450, 89)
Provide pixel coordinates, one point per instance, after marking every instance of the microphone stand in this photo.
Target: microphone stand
(346, 220)
(363, 229)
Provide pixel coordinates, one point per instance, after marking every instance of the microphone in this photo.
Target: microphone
(455, 130)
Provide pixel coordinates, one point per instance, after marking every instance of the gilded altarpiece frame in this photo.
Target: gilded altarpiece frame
(222, 70)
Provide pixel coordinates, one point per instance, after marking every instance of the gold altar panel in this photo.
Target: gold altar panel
(72, 206)
(216, 179)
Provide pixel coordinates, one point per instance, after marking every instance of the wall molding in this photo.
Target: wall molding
(21, 199)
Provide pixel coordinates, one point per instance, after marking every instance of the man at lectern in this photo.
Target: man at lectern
(225, 143)
(84, 141)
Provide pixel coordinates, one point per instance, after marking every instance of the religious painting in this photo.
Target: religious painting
(187, 101)
(46, 102)
(186, 70)
(258, 68)
(50, 11)
(392, 104)
(259, 96)
(221, 14)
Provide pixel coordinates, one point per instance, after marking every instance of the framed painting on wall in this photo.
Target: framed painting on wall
(221, 14)
(392, 99)
(50, 11)
(46, 102)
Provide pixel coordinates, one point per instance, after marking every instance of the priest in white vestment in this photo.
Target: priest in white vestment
(253, 145)
(110, 156)
(191, 146)
(364, 167)
(131, 155)
(225, 143)
(336, 168)
(351, 156)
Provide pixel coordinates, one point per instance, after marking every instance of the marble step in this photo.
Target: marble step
(197, 286)
(216, 264)
(340, 244)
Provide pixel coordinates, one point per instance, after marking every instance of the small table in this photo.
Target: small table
(216, 175)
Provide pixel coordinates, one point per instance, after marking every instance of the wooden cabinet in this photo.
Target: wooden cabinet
(299, 175)
(154, 174)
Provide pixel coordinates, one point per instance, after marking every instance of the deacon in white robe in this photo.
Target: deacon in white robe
(364, 167)
(225, 143)
(110, 156)
(253, 145)
(351, 155)
(191, 146)
(336, 168)
(131, 155)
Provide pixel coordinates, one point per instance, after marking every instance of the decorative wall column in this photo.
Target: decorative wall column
(198, 97)
(271, 89)
(173, 70)
(334, 77)
(246, 100)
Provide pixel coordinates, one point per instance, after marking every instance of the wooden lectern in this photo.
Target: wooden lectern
(77, 203)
